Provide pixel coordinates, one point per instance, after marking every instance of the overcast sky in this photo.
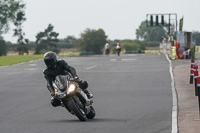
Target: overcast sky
(118, 18)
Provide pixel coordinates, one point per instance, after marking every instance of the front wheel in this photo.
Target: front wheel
(78, 111)
(107, 51)
(91, 114)
(118, 52)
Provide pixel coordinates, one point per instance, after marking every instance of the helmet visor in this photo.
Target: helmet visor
(50, 63)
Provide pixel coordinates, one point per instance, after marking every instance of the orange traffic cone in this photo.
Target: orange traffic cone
(192, 71)
(196, 74)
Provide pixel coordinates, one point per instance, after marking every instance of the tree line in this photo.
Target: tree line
(91, 40)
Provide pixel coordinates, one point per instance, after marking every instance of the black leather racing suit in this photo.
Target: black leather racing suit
(61, 68)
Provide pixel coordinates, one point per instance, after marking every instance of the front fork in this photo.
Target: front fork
(65, 100)
(80, 98)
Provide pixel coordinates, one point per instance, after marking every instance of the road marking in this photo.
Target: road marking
(113, 59)
(128, 59)
(174, 95)
(131, 54)
(30, 69)
(91, 67)
(122, 60)
(32, 64)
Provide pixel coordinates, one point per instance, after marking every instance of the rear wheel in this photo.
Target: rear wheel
(78, 111)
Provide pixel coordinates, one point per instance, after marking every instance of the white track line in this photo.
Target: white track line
(91, 67)
(175, 105)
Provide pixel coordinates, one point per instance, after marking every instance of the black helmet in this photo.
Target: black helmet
(50, 59)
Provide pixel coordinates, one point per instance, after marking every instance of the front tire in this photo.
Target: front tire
(91, 114)
(73, 105)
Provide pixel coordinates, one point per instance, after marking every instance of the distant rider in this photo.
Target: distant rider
(60, 67)
(107, 48)
(118, 49)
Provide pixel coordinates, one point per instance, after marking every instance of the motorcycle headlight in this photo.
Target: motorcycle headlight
(72, 88)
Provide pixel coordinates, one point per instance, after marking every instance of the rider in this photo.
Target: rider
(60, 67)
(107, 48)
(118, 48)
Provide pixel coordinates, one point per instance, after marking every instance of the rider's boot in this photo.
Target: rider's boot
(55, 102)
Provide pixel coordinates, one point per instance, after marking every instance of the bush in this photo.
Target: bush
(151, 44)
(133, 45)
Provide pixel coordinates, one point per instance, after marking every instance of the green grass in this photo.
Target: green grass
(15, 59)
(69, 54)
(10, 60)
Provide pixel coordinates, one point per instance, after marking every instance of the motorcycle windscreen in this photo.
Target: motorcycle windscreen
(61, 81)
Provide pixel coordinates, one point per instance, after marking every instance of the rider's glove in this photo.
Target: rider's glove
(76, 78)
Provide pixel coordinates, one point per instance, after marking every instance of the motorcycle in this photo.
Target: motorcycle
(118, 51)
(67, 91)
(107, 51)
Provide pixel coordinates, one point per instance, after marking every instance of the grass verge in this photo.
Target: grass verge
(152, 51)
(15, 59)
(69, 54)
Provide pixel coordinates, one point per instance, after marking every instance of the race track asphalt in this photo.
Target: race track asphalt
(132, 94)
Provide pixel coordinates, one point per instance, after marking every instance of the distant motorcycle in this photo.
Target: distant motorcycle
(118, 51)
(107, 51)
(73, 98)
